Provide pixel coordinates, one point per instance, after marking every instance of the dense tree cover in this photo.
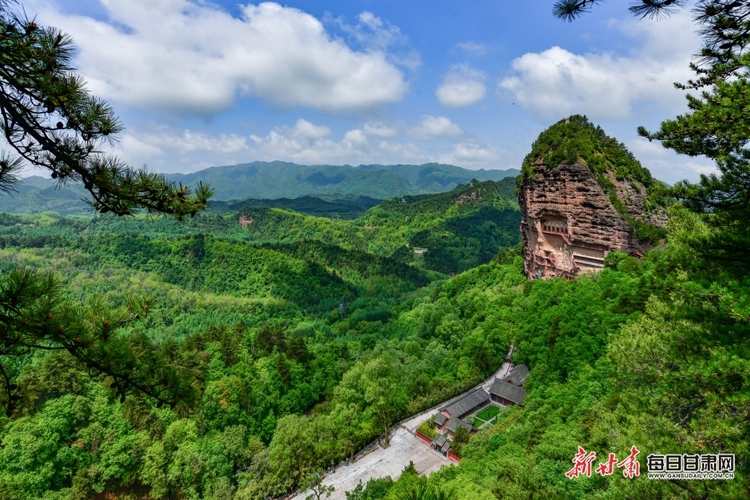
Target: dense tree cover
(278, 179)
(673, 378)
(650, 353)
(577, 139)
(344, 207)
(459, 229)
(290, 388)
(238, 323)
(181, 254)
(51, 121)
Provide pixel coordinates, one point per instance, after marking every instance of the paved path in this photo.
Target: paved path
(384, 462)
(404, 447)
(501, 373)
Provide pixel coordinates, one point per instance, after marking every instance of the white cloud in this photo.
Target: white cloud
(668, 166)
(557, 82)
(307, 130)
(163, 148)
(436, 127)
(168, 149)
(307, 143)
(374, 34)
(190, 56)
(356, 138)
(475, 48)
(399, 152)
(473, 152)
(379, 129)
(462, 86)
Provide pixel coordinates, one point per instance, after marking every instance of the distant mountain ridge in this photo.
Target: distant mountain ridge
(277, 179)
(359, 187)
(35, 194)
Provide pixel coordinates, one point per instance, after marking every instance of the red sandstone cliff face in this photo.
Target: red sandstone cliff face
(569, 225)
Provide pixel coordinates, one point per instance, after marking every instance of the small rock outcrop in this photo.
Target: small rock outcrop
(583, 195)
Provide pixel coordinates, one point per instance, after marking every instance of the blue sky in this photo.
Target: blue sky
(200, 83)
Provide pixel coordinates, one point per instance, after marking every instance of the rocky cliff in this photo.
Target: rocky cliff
(583, 195)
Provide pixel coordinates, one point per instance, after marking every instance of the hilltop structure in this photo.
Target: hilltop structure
(583, 195)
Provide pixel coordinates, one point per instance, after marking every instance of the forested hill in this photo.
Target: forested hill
(288, 180)
(445, 232)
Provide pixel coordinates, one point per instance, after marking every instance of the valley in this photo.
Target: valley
(249, 316)
(254, 349)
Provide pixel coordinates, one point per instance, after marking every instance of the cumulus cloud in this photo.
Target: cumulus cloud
(372, 33)
(307, 130)
(190, 56)
(434, 127)
(461, 86)
(166, 149)
(188, 141)
(557, 82)
(308, 143)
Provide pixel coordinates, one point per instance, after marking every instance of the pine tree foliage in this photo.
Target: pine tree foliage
(716, 124)
(36, 315)
(569, 10)
(51, 121)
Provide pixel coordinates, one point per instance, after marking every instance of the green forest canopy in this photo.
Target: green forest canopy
(252, 387)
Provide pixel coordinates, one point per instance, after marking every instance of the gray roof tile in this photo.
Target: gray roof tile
(467, 403)
(518, 374)
(508, 391)
(439, 440)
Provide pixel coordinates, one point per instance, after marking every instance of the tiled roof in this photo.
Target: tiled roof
(455, 423)
(439, 441)
(517, 374)
(508, 391)
(467, 403)
(440, 419)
